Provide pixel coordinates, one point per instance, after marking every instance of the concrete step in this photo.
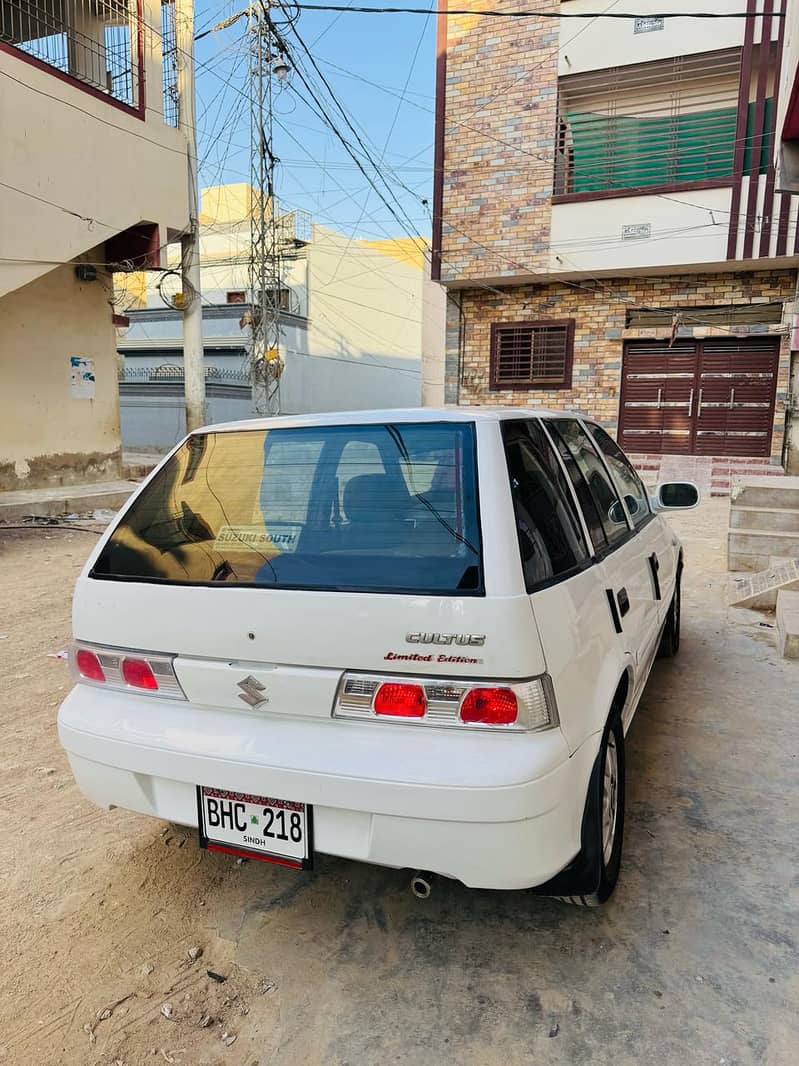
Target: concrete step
(788, 624)
(750, 549)
(765, 491)
(777, 519)
(64, 499)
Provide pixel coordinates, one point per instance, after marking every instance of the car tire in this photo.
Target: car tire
(603, 820)
(670, 638)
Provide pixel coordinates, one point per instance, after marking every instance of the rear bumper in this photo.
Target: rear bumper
(494, 811)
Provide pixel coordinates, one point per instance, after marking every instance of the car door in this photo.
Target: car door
(565, 582)
(657, 541)
(617, 545)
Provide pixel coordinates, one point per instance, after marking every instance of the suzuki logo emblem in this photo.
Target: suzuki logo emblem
(251, 689)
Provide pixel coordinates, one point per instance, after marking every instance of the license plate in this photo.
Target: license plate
(256, 827)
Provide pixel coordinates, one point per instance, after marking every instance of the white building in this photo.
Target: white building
(92, 172)
(355, 319)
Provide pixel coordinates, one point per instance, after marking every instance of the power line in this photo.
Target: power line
(51, 203)
(534, 14)
(387, 141)
(340, 108)
(347, 146)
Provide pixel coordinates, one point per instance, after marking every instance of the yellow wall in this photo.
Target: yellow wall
(47, 437)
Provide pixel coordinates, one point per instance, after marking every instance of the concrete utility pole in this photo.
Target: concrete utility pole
(193, 362)
(267, 64)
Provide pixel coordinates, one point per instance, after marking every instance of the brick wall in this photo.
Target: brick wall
(499, 138)
(599, 309)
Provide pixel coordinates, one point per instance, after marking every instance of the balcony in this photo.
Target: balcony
(96, 44)
(91, 163)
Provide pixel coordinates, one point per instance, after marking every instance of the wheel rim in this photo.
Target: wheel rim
(610, 781)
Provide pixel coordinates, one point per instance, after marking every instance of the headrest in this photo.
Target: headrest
(369, 495)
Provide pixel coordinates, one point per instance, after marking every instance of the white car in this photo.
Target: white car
(411, 638)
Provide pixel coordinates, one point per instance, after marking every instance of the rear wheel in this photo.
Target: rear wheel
(603, 820)
(670, 640)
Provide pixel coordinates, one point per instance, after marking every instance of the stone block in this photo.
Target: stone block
(773, 519)
(759, 590)
(788, 624)
(766, 491)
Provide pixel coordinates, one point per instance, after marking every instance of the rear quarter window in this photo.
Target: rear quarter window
(361, 508)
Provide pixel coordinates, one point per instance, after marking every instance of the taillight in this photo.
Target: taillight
(521, 706)
(489, 706)
(118, 669)
(89, 666)
(400, 700)
(138, 673)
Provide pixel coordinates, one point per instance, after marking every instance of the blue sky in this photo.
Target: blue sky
(315, 171)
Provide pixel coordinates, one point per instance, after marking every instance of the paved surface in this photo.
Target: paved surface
(693, 963)
(64, 499)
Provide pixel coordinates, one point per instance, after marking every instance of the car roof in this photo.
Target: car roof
(392, 415)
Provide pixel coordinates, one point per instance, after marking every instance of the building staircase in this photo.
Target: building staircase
(764, 521)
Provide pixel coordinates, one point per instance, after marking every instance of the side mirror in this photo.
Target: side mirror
(633, 505)
(676, 496)
(616, 512)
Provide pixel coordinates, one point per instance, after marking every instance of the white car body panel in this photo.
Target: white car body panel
(493, 809)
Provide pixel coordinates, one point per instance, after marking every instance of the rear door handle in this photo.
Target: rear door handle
(654, 566)
(614, 610)
(624, 601)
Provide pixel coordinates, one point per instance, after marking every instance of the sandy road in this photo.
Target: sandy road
(694, 962)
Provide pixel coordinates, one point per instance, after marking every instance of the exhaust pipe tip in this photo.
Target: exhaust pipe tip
(422, 884)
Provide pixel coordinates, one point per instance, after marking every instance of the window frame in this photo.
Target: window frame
(495, 385)
(672, 72)
(470, 458)
(604, 550)
(571, 498)
(647, 518)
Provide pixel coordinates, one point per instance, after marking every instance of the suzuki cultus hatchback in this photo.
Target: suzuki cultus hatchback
(411, 638)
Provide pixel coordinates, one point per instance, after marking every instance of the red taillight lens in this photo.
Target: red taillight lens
(89, 665)
(138, 673)
(402, 701)
(490, 706)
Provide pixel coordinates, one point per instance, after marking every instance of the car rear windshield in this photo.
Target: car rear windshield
(373, 508)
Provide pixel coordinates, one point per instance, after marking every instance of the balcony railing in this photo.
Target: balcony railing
(97, 43)
(169, 52)
(173, 372)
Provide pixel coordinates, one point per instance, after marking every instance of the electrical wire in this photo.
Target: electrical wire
(337, 103)
(51, 203)
(54, 525)
(387, 141)
(534, 14)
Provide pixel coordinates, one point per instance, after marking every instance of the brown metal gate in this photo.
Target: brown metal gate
(709, 397)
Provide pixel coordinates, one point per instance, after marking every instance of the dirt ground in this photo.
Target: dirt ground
(694, 962)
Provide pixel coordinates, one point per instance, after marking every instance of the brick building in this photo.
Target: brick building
(608, 225)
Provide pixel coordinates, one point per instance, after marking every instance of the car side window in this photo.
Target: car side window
(627, 481)
(606, 503)
(550, 537)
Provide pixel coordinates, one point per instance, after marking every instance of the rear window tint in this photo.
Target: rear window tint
(358, 508)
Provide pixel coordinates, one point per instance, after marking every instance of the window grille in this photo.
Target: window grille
(532, 355)
(667, 122)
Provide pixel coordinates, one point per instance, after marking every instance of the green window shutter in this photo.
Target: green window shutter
(628, 151)
(768, 139)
